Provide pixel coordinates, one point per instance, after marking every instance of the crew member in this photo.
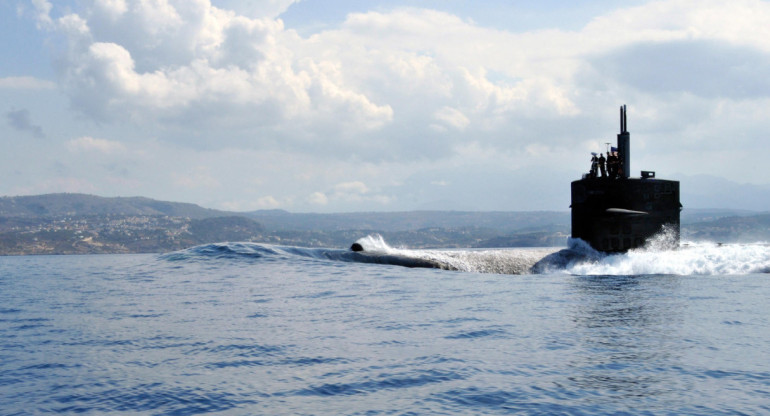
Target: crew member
(601, 166)
(594, 165)
(612, 165)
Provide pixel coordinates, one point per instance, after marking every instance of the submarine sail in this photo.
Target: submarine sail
(615, 212)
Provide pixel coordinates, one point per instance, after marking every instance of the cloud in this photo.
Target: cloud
(258, 8)
(351, 188)
(90, 144)
(191, 64)
(26, 83)
(343, 193)
(62, 184)
(199, 177)
(43, 10)
(706, 68)
(452, 117)
(267, 202)
(318, 199)
(21, 120)
(181, 62)
(396, 93)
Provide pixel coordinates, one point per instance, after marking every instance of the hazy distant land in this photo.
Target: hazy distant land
(83, 224)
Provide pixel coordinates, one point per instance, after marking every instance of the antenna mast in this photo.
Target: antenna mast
(623, 119)
(624, 144)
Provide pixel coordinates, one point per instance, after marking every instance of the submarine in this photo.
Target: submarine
(614, 212)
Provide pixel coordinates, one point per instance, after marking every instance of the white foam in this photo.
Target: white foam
(503, 261)
(579, 258)
(689, 259)
(376, 243)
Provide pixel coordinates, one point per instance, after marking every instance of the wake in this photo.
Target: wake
(579, 258)
(657, 258)
(500, 261)
(701, 258)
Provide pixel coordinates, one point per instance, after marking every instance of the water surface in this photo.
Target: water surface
(255, 329)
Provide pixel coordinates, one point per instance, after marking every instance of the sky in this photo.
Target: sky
(343, 105)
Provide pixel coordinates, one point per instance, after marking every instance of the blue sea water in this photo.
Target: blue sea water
(243, 328)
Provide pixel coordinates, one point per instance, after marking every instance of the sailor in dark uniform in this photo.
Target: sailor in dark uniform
(612, 165)
(601, 165)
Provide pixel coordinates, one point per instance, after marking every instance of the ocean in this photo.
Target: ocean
(254, 329)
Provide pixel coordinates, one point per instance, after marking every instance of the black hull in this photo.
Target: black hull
(616, 215)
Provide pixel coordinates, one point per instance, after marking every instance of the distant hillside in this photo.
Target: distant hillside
(81, 224)
(59, 205)
(710, 191)
(101, 234)
(500, 222)
(735, 229)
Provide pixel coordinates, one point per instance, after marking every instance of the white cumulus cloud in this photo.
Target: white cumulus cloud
(188, 62)
(26, 83)
(267, 202)
(381, 95)
(91, 144)
(318, 198)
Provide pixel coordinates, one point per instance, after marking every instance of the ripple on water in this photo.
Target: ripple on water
(383, 381)
(232, 336)
(480, 333)
(150, 397)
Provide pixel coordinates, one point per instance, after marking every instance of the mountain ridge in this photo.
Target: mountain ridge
(80, 223)
(61, 204)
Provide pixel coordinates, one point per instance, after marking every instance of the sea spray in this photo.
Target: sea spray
(579, 258)
(577, 252)
(501, 261)
(702, 258)
(692, 258)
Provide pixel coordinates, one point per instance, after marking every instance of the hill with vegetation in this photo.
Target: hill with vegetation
(63, 205)
(83, 224)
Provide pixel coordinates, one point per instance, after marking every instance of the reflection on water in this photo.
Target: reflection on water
(626, 327)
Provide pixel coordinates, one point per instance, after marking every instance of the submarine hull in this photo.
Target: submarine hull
(616, 215)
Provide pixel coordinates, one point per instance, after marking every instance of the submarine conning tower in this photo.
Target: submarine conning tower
(615, 212)
(624, 144)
